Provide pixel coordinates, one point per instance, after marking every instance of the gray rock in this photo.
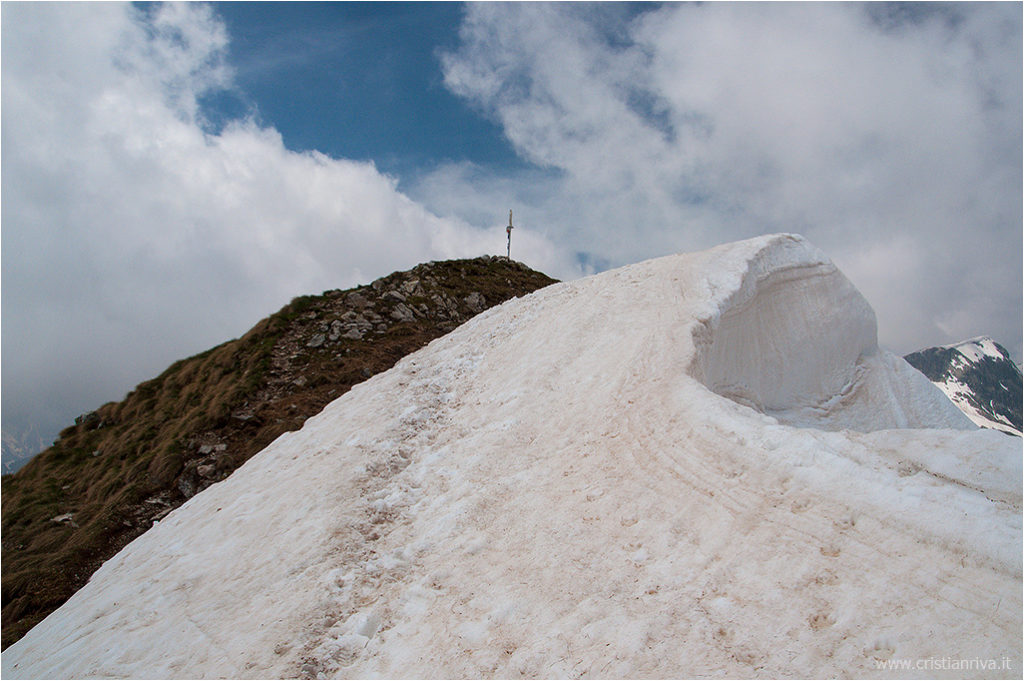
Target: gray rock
(206, 449)
(394, 295)
(475, 301)
(206, 470)
(337, 328)
(352, 326)
(449, 308)
(316, 341)
(402, 313)
(411, 286)
(187, 487)
(89, 419)
(356, 300)
(444, 303)
(67, 518)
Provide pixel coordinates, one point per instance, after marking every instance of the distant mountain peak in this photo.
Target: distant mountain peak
(17, 448)
(979, 377)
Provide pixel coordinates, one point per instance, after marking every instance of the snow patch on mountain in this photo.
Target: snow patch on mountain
(597, 479)
(974, 349)
(954, 390)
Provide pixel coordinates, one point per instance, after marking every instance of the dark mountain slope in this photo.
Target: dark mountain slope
(120, 468)
(979, 377)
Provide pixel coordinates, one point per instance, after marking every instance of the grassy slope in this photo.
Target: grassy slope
(129, 463)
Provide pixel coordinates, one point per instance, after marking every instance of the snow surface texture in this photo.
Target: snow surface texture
(552, 490)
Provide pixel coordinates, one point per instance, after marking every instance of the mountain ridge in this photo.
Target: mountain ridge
(590, 481)
(127, 464)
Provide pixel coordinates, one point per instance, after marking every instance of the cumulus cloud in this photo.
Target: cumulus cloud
(135, 231)
(134, 234)
(889, 135)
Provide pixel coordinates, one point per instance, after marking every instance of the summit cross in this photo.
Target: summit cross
(508, 230)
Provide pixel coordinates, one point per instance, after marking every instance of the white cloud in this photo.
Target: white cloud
(132, 236)
(888, 135)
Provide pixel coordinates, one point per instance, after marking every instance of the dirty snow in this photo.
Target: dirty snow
(700, 465)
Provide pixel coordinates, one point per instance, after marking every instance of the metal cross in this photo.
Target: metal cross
(508, 230)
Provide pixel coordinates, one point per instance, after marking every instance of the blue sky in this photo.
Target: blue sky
(356, 80)
(174, 173)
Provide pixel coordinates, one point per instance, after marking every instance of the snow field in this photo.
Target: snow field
(552, 491)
